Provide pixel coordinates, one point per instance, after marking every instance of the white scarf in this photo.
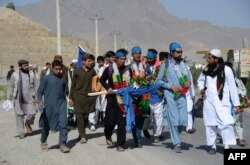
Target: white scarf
(137, 68)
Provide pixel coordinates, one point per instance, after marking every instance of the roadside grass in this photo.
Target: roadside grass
(3, 90)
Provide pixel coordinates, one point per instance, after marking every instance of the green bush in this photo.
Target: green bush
(195, 73)
(3, 90)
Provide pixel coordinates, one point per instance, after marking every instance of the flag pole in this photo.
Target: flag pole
(81, 47)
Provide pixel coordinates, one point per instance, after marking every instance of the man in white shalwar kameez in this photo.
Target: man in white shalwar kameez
(217, 84)
(190, 97)
(101, 101)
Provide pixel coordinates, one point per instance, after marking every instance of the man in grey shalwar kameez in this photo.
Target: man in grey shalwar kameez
(54, 112)
(175, 80)
(23, 87)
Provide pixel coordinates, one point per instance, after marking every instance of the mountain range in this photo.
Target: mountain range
(22, 38)
(143, 22)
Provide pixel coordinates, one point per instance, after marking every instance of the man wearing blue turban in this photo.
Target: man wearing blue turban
(137, 70)
(175, 80)
(115, 76)
(156, 103)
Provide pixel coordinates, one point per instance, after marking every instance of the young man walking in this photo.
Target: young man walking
(54, 111)
(78, 97)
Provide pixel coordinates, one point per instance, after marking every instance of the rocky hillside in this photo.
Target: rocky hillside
(23, 38)
(142, 21)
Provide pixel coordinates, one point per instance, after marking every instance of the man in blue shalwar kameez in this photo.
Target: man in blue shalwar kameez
(54, 114)
(175, 79)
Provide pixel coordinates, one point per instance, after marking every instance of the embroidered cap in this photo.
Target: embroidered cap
(74, 61)
(215, 52)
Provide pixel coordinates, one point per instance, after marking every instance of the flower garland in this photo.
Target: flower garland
(181, 72)
(138, 76)
(120, 82)
(156, 69)
(138, 79)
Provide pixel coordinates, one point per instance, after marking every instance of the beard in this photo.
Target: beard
(151, 62)
(178, 59)
(90, 66)
(212, 66)
(25, 70)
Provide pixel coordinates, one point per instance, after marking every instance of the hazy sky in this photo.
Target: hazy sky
(18, 2)
(231, 13)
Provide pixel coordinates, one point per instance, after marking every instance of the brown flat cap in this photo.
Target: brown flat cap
(22, 61)
(57, 57)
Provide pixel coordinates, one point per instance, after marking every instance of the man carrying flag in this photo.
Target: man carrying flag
(81, 53)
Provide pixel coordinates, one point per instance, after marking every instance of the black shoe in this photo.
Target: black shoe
(241, 142)
(161, 137)
(191, 131)
(146, 134)
(212, 151)
(138, 145)
(110, 143)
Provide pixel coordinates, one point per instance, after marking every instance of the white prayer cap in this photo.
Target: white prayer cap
(74, 61)
(30, 65)
(216, 53)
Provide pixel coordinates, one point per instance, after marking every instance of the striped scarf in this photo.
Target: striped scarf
(120, 80)
(139, 79)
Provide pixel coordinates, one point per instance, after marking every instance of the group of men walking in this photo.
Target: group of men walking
(168, 105)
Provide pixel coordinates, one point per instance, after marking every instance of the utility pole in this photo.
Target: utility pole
(58, 26)
(129, 58)
(244, 43)
(125, 43)
(96, 18)
(114, 35)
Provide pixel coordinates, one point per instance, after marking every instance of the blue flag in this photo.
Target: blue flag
(127, 100)
(81, 53)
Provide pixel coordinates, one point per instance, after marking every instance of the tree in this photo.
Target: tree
(11, 6)
(195, 73)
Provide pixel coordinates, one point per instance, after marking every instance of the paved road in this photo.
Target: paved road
(95, 152)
